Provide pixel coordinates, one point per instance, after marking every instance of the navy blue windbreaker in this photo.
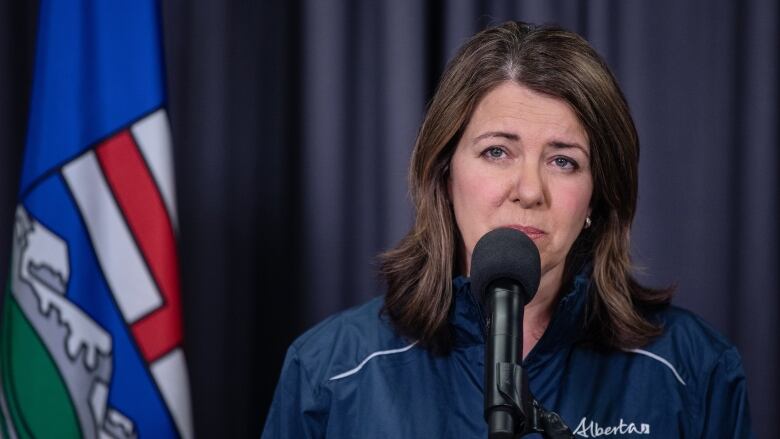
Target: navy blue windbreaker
(352, 376)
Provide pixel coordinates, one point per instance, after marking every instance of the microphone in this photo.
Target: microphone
(505, 273)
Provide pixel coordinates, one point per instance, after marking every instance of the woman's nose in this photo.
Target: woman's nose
(528, 187)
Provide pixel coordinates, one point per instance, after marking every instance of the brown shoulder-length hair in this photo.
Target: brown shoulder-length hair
(559, 63)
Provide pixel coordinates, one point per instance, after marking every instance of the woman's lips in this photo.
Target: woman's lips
(531, 232)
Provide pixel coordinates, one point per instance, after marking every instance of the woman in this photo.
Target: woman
(528, 129)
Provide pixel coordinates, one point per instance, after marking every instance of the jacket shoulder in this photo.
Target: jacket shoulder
(714, 369)
(340, 342)
(687, 330)
(693, 347)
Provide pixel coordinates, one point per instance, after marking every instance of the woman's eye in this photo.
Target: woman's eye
(565, 163)
(494, 153)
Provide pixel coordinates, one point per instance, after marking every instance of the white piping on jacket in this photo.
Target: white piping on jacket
(658, 358)
(363, 363)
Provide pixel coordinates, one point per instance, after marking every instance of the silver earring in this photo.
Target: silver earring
(588, 222)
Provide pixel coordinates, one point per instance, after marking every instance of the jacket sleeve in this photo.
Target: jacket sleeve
(726, 413)
(295, 410)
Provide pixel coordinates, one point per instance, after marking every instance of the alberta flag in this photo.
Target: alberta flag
(90, 333)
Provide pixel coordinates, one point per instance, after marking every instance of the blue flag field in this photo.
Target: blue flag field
(91, 333)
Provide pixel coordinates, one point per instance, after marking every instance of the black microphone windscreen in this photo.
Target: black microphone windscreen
(505, 253)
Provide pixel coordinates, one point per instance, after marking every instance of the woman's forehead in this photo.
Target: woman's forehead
(512, 111)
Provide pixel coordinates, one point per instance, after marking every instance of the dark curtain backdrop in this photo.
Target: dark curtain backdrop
(293, 122)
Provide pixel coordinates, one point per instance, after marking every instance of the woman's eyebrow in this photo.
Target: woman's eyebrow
(563, 145)
(504, 134)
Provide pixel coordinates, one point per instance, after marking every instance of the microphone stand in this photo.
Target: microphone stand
(510, 409)
(520, 413)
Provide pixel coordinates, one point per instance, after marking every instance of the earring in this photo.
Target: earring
(588, 222)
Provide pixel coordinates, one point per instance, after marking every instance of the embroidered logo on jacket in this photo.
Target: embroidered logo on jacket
(592, 429)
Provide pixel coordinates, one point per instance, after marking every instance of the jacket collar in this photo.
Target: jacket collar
(565, 327)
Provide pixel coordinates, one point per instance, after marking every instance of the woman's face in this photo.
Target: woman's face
(522, 162)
